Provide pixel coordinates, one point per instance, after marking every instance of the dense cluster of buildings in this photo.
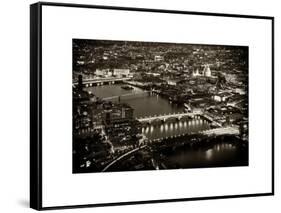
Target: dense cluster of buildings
(205, 78)
(111, 127)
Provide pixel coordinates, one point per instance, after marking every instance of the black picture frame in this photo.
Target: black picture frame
(36, 103)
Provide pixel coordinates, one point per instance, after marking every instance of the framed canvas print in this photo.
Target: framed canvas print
(134, 106)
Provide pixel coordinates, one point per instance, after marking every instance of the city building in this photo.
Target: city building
(158, 58)
(221, 97)
(120, 125)
(117, 113)
(103, 72)
(121, 72)
(172, 82)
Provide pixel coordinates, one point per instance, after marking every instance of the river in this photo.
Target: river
(144, 104)
(216, 155)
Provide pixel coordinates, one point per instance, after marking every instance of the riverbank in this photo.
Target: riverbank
(215, 152)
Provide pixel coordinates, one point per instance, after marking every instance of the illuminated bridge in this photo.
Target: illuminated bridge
(178, 116)
(164, 117)
(232, 130)
(129, 95)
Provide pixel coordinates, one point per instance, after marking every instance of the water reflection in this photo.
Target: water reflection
(218, 149)
(221, 154)
(174, 128)
(209, 154)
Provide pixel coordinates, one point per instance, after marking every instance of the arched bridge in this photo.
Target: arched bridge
(164, 117)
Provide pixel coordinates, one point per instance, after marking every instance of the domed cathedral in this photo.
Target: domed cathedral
(196, 73)
(207, 71)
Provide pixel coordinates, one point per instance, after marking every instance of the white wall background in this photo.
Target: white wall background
(14, 107)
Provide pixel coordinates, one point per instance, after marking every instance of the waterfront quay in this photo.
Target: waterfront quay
(112, 128)
(174, 108)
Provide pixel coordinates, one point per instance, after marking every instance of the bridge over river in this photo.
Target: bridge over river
(128, 95)
(232, 130)
(122, 157)
(178, 116)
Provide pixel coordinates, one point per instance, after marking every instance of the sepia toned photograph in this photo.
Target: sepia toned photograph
(155, 106)
(124, 100)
